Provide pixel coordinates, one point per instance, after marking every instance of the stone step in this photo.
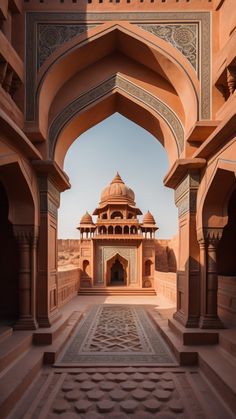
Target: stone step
(117, 291)
(185, 355)
(13, 347)
(19, 374)
(15, 380)
(5, 332)
(51, 352)
(227, 341)
(193, 336)
(220, 370)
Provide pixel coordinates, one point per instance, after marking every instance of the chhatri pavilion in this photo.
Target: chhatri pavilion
(118, 249)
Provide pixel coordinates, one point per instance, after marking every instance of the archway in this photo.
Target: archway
(117, 271)
(216, 241)
(9, 263)
(19, 234)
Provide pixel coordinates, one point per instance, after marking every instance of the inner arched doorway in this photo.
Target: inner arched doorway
(117, 273)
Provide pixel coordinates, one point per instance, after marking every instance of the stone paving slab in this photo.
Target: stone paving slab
(117, 334)
(77, 393)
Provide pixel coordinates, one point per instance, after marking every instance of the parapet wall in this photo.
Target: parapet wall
(68, 245)
(165, 284)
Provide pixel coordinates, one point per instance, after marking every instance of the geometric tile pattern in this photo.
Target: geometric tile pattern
(122, 393)
(117, 334)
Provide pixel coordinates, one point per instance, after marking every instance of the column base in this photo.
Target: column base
(25, 323)
(190, 321)
(47, 321)
(211, 323)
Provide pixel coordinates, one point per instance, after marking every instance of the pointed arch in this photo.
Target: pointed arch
(161, 58)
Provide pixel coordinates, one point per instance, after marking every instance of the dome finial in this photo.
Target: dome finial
(117, 178)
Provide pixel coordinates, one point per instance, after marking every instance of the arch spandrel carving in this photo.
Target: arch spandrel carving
(197, 22)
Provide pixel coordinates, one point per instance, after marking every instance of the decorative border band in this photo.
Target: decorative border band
(98, 92)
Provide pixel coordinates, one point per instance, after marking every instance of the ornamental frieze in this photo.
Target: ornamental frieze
(52, 36)
(183, 36)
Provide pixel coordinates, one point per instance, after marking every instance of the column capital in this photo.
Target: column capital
(23, 233)
(212, 235)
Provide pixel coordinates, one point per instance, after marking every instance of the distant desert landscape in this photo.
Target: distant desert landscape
(68, 254)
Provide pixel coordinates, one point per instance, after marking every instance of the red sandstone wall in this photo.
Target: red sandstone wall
(227, 299)
(68, 285)
(167, 255)
(165, 284)
(68, 245)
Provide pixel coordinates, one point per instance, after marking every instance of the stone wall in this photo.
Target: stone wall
(68, 253)
(165, 284)
(227, 299)
(166, 254)
(68, 245)
(68, 285)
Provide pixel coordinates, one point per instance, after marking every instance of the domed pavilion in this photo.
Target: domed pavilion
(118, 250)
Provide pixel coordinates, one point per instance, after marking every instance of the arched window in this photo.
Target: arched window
(86, 266)
(148, 264)
(133, 230)
(116, 214)
(104, 216)
(118, 230)
(103, 230)
(126, 229)
(110, 230)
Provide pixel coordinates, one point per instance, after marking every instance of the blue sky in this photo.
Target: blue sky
(116, 144)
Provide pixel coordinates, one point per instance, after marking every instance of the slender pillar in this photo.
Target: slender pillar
(209, 279)
(26, 236)
(188, 270)
(47, 284)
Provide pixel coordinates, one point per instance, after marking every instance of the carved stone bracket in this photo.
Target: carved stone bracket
(49, 196)
(186, 194)
(212, 234)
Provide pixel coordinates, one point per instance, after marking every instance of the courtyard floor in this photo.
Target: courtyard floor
(117, 365)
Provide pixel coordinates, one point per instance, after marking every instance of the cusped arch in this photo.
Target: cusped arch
(213, 204)
(162, 58)
(116, 95)
(23, 199)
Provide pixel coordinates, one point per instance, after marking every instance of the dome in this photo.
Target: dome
(117, 190)
(86, 219)
(148, 218)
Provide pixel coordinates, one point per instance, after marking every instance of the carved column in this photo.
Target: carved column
(231, 79)
(47, 286)
(188, 275)
(209, 278)
(26, 236)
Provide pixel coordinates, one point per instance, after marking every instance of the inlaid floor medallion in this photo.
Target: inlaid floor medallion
(113, 334)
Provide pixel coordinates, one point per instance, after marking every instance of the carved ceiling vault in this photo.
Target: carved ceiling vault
(189, 32)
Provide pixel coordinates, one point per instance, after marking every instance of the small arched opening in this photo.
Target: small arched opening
(116, 214)
(148, 267)
(86, 267)
(118, 230)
